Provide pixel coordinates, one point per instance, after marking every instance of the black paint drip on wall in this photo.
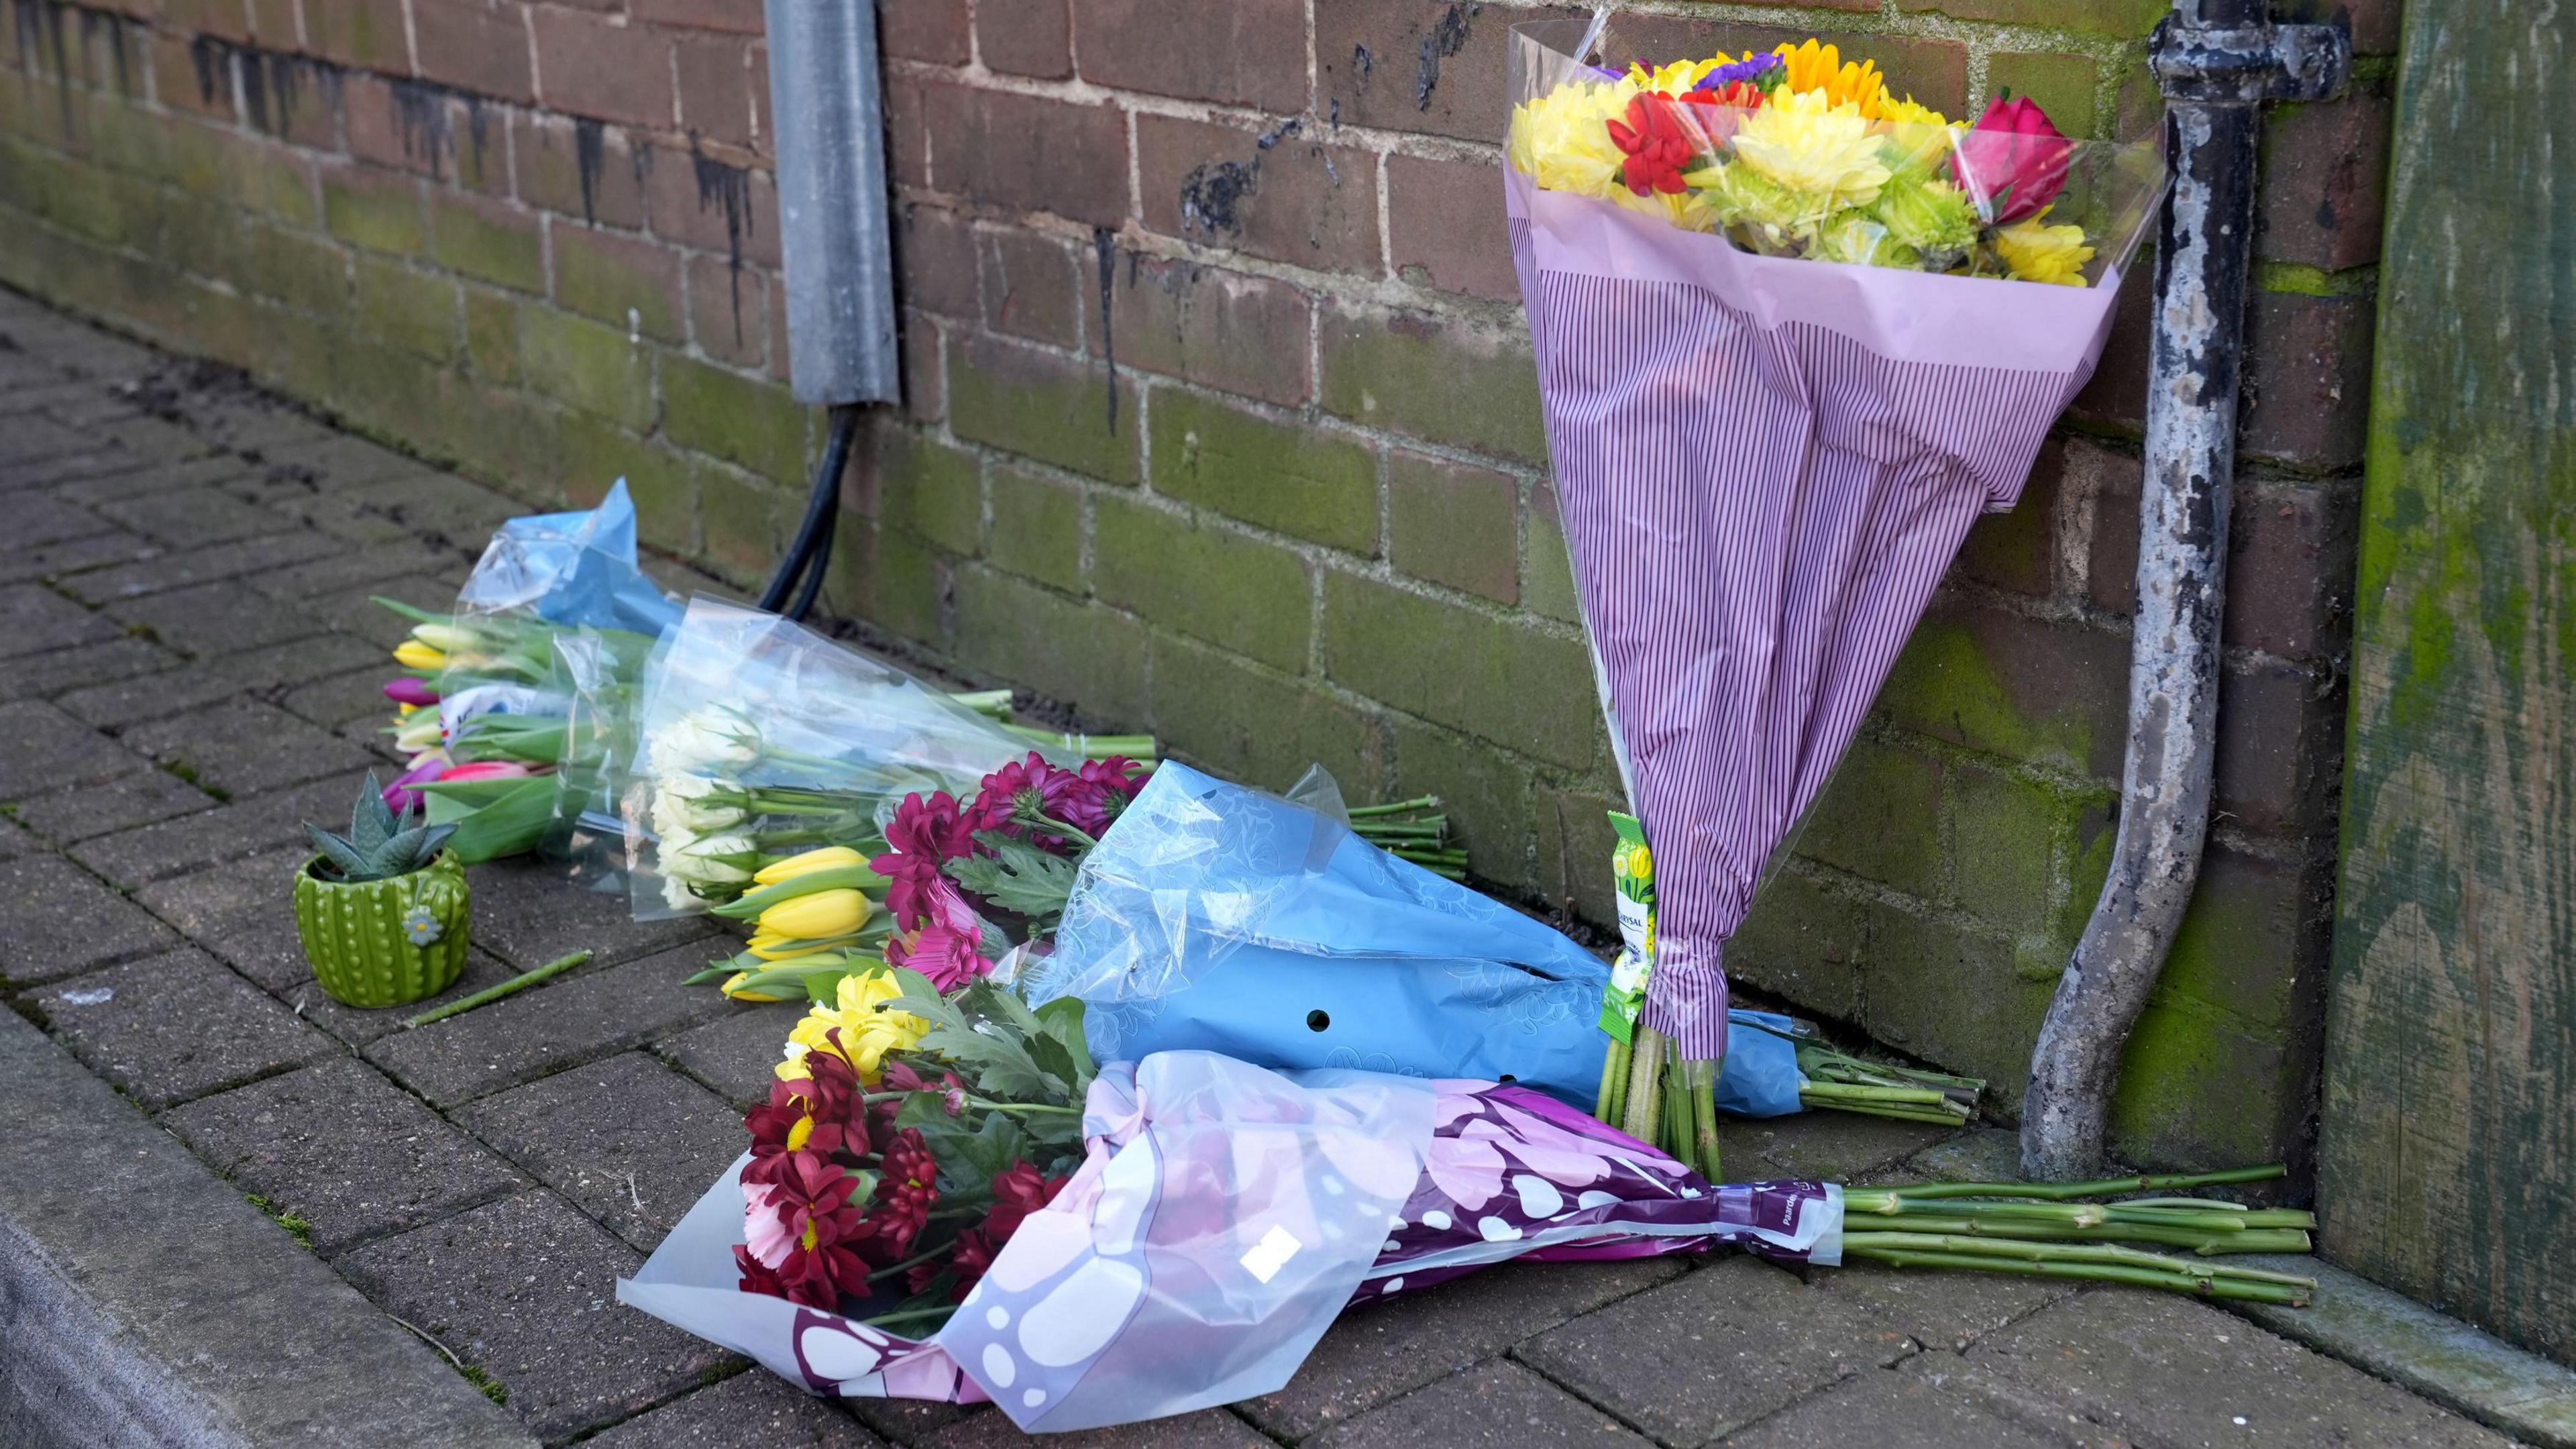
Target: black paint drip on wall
(1105, 247)
(1446, 39)
(728, 187)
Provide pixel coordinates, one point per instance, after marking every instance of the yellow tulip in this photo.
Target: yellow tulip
(772, 946)
(444, 637)
(413, 654)
(816, 916)
(830, 857)
(733, 988)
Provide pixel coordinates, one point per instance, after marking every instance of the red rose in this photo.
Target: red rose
(2013, 162)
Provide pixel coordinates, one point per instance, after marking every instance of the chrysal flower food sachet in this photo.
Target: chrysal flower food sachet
(1796, 152)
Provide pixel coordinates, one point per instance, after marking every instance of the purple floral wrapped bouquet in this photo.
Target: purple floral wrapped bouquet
(1215, 1217)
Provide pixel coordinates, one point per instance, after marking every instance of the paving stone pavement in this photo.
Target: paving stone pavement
(188, 671)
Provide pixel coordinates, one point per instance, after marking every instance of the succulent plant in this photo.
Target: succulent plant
(380, 844)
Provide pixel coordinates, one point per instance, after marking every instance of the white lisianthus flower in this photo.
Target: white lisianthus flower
(677, 894)
(711, 859)
(703, 740)
(695, 805)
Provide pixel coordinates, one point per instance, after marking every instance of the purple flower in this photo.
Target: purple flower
(1751, 67)
(407, 690)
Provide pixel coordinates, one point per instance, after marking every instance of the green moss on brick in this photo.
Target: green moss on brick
(1436, 378)
(415, 311)
(2003, 841)
(492, 336)
(1802, 941)
(1496, 678)
(1951, 994)
(1547, 570)
(376, 210)
(665, 484)
(751, 421)
(930, 490)
(489, 244)
(626, 283)
(1455, 524)
(586, 365)
(740, 519)
(1253, 724)
(1055, 409)
(1880, 818)
(2196, 1092)
(2044, 693)
(1081, 654)
(2119, 18)
(1286, 476)
(1487, 793)
(1037, 528)
(2061, 85)
(1242, 593)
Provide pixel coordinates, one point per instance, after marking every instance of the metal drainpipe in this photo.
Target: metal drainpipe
(2217, 62)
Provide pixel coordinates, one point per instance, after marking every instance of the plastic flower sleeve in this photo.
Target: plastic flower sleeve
(1765, 464)
(758, 739)
(1218, 918)
(1223, 1216)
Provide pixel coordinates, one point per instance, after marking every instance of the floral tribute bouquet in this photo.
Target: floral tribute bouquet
(1792, 337)
(482, 705)
(944, 1200)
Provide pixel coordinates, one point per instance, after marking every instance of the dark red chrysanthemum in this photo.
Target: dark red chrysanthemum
(924, 834)
(907, 1185)
(810, 1232)
(1110, 784)
(1024, 791)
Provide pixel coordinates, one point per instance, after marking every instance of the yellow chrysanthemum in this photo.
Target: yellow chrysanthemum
(1921, 135)
(2038, 252)
(1816, 147)
(1561, 140)
(1818, 68)
(1672, 79)
(867, 1030)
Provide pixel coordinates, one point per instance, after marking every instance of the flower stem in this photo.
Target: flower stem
(1613, 1095)
(2049, 1264)
(915, 1261)
(2062, 1191)
(908, 1315)
(495, 992)
(1395, 807)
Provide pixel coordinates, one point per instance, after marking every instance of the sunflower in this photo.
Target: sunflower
(1815, 67)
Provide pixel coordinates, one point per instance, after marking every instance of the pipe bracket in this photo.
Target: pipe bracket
(2248, 64)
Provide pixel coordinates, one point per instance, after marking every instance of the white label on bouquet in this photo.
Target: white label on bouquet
(1271, 1254)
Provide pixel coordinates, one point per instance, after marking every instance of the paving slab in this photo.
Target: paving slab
(357, 1025)
(1494, 1405)
(441, 507)
(244, 746)
(351, 704)
(910, 1422)
(41, 519)
(48, 750)
(207, 682)
(73, 556)
(2399, 1339)
(34, 619)
(121, 474)
(2165, 1370)
(345, 461)
(1980, 1154)
(177, 1026)
(564, 1023)
(1837, 1146)
(15, 842)
(1389, 1348)
(1880, 1407)
(357, 568)
(57, 920)
(243, 912)
(126, 1342)
(629, 1141)
(357, 611)
(524, 1290)
(218, 618)
(179, 568)
(528, 914)
(1940, 1310)
(349, 1153)
(39, 676)
(137, 798)
(137, 857)
(1714, 1351)
(34, 439)
(751, 1410)
(186, 518)
(733, 1056)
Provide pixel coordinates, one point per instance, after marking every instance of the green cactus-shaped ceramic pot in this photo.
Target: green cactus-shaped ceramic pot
(385, 942)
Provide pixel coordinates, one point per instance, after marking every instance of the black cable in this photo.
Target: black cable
(811, 552)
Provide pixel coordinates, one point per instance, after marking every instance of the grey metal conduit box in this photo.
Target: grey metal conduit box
(826, 98)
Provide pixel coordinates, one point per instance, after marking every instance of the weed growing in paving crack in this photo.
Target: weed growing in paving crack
(297, 1228)
(493, 1389)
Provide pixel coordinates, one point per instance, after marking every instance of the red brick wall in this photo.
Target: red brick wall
(1221, 420)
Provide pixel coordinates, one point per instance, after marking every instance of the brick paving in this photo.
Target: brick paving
(187, 671)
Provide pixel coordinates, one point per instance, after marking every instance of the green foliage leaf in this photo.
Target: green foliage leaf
(371, 819)
(1060, 1048)
(1018, 877)
(351, 865)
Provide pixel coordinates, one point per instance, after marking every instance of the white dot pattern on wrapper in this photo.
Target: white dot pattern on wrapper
(998, 1316)
(1391, 1285)
(1436, 1220)
(999, 1366)
(1539, 1197)
(1495, 1230)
